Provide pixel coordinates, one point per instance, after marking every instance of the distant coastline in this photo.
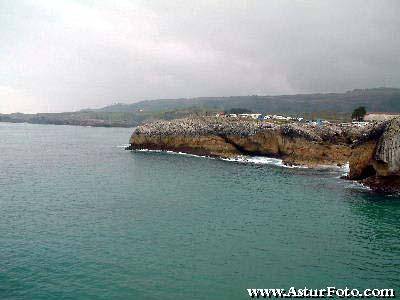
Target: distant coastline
(330, 106)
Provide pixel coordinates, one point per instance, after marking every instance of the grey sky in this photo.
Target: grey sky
(60, 55)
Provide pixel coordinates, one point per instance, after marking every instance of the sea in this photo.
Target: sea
(83, 218)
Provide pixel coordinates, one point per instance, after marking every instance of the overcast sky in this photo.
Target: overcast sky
(60, 55)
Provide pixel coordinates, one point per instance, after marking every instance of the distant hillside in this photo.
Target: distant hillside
(378, 99)
(329, 106)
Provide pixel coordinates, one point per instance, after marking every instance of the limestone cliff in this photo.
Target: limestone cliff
(373, 151)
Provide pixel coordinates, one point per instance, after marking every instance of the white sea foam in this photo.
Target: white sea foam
(188, 154)
(262, 160)
(358, 185)
(172, 152)
(123, 146)
(148, 150)
(346, 169)
(258, 160)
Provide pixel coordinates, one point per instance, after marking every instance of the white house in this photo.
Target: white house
(359, 124)
(278, 117)
(252, 116)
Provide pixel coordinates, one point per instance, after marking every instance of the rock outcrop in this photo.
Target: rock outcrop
(372, 152)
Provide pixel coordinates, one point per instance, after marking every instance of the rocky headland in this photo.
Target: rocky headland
(372, 151)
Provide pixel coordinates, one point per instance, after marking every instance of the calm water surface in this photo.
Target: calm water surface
(80, 218)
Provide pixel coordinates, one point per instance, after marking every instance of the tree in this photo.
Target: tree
(359, 113)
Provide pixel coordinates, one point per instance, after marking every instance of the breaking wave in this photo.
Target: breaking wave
(172, 152)
(262, 160)
(355, 185)
(258, 160)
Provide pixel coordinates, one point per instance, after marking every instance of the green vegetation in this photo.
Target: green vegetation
(334, 107)
(379, 99)
(359, 113)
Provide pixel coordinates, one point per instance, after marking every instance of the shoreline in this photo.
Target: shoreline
(341, 171)
(371, 152)
(246, 159)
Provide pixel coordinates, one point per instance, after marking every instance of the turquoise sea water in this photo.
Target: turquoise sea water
(81, 218)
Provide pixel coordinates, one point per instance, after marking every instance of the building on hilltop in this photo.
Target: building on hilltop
(250, 116)
(380, 116)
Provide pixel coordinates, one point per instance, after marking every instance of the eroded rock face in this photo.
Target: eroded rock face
(223, 137)
(388, 150)
(373, 151)
(361, 161)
